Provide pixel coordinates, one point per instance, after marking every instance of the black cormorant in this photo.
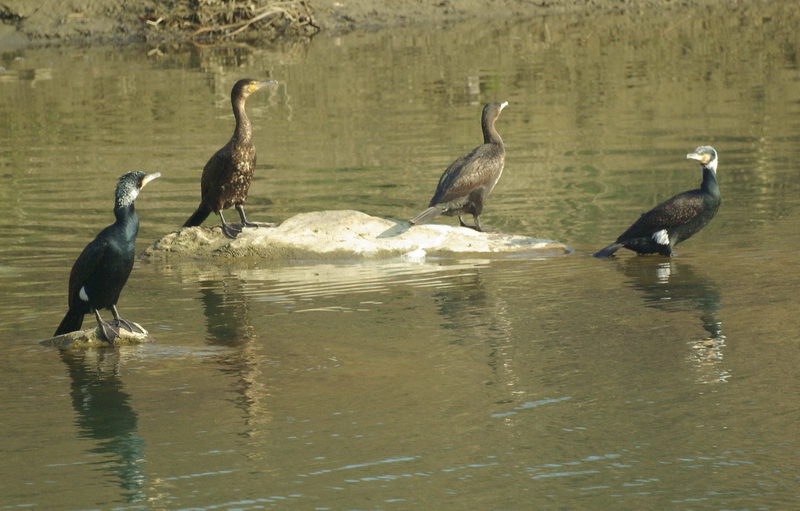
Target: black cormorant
(468, 181)
(100, 272)
(676, 219)
(227, 175)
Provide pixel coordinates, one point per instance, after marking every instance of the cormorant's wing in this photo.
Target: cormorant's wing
(84, 266)
(228, 170)
(671, 213)
(216, 172)
(463, 176)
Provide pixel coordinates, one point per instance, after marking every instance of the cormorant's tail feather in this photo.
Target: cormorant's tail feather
(609, 250)
(72, 322)
(199, 216)
(426, 216)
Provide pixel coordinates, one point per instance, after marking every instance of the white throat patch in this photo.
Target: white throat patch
(661, 237)
(127, 200)
(713, 166)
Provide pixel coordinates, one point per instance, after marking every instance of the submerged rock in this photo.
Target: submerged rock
(344, 235)
(90, 338)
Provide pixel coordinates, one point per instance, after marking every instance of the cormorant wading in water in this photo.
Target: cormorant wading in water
(468, 181)
(676, 219)
(100, 272)
(227, 175)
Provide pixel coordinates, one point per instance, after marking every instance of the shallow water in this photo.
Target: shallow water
(473, 383)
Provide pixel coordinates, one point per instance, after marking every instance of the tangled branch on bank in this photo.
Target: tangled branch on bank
(214, 21)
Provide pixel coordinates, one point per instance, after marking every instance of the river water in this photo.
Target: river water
(467, 383)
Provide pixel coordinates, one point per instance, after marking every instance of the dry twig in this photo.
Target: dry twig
(220, 20)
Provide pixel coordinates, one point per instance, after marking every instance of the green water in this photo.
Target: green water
(473, 383)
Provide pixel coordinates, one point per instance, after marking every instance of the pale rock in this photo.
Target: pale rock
(90, 338)
(345, 235)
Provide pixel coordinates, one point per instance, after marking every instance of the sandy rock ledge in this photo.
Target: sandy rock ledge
(344, 235)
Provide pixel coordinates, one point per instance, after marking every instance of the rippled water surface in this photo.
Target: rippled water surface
(474, 383)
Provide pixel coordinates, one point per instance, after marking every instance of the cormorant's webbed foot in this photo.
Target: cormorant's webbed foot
(108, 332)
(127, 325)
(230, 232)
(243, 217)
(477, 225)
(227, 230)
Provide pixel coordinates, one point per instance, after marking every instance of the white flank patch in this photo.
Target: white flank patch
(82, 295)
(661, 237)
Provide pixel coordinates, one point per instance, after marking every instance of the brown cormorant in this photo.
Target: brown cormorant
(468, 181)
(100, 272)
(227, 175)
(676, 219)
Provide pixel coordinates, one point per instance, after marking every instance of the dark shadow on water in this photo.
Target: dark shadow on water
(104, 414)
(676, 286)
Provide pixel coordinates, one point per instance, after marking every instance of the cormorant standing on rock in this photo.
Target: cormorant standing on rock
(227, 175)
(676, 219)
(100, 272)
(468, 181)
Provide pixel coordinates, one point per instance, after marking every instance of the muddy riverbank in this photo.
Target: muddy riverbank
(157, 21)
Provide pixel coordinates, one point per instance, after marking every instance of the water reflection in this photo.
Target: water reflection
(473, 312)
(105, 415)
(293, 286)
(226, 309)
(676, 286)
(228, 318)
(429, 352)
(476, 314)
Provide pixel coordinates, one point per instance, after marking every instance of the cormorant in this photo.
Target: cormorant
(468, 181)
(100, 272)
(227, 175)
(676, 219)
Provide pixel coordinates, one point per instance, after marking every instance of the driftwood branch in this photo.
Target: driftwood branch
(221, 20)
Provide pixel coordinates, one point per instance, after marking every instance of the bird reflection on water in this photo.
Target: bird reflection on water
(227, 310)
(105, 415)
(475, 313)
(675, 286)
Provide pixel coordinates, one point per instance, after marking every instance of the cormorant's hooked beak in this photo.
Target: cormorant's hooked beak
(149, 177)
(702, 158)
(503, 105)
(260, 85)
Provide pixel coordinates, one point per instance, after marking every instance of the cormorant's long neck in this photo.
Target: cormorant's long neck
(490, 135)
(244, 130)
(127, 220)
(710, 185)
